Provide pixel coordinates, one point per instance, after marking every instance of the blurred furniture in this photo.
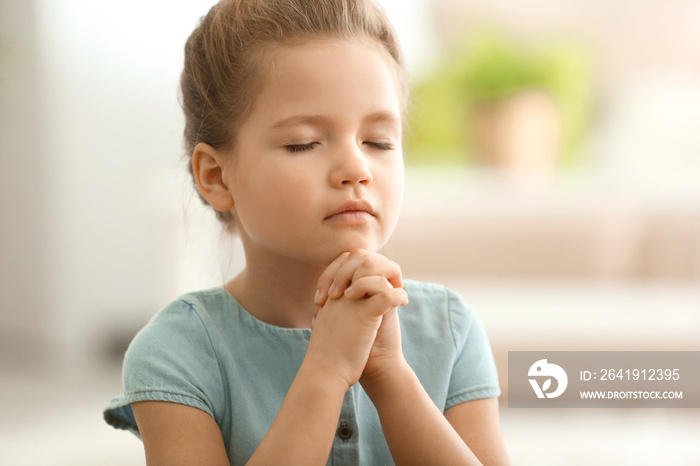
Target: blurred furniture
(578, 265)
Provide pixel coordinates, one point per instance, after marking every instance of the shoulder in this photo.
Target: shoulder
(198, 309)
(205, 304)
(183, 328)
(427, 292)
(437, 299)
(446, 344)
(432, 305)
(178, 346)
(175, 358)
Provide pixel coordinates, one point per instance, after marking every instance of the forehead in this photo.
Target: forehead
(329, 78)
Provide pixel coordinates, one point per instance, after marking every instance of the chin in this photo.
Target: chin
(350, 246)
(329, 250)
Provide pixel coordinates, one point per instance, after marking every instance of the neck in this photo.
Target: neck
(277, 290)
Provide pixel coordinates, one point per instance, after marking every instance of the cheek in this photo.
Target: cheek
(271, 196)
(289, 189)
(393, 189)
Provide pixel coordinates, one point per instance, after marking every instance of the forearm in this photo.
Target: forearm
(415, 429)
(302, 432)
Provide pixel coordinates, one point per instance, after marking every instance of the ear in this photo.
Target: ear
(208, 170)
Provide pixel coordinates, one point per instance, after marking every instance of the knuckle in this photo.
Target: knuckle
(365, 257)
(356, 254)
(369, 260)
(386, 298)
(398, 296)
(360, 282)
(384, 284)
(339, 262)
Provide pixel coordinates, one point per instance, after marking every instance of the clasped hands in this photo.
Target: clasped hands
(356, 333)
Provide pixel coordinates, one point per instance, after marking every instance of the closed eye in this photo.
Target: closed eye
(380, 145)
(300, 147)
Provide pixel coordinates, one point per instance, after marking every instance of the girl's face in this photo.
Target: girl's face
(318, 168)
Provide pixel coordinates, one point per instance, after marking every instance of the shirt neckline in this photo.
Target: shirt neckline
(306, 332)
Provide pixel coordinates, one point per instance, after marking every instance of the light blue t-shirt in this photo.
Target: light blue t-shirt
(204, 350)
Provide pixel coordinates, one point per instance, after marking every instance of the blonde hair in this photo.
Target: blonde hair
(225, 57)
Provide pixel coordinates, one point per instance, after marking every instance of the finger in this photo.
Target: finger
(390, 317)
(345, 273)
(313, 319)
(367, 286)
(363, 263)
(326, 279)
(381, 303)
(380, 265)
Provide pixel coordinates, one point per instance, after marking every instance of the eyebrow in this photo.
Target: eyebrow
(382, 117)
(320, 120)
(296, 120)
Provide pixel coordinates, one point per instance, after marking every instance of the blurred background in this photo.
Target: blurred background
(553, 167)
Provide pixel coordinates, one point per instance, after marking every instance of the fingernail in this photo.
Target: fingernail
(331, 289)
(317, 295)
(348, 290)
(313, 319)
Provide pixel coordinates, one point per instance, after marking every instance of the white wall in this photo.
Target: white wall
(92, 174)
(22, 223)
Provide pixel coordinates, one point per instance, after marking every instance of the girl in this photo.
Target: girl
(293, 121)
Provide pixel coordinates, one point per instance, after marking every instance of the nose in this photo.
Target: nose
(351, 167)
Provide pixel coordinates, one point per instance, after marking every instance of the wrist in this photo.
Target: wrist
(316, 373)
(387, 381)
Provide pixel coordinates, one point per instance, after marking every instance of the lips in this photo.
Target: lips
(358, 207)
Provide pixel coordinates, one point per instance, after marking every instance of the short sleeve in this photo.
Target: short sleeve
(474, 373)
(171, 359)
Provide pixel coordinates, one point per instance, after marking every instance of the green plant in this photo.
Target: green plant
(487, 67)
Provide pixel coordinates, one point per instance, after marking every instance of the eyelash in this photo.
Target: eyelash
(300, 147)
(381, 145)
(304, 147)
